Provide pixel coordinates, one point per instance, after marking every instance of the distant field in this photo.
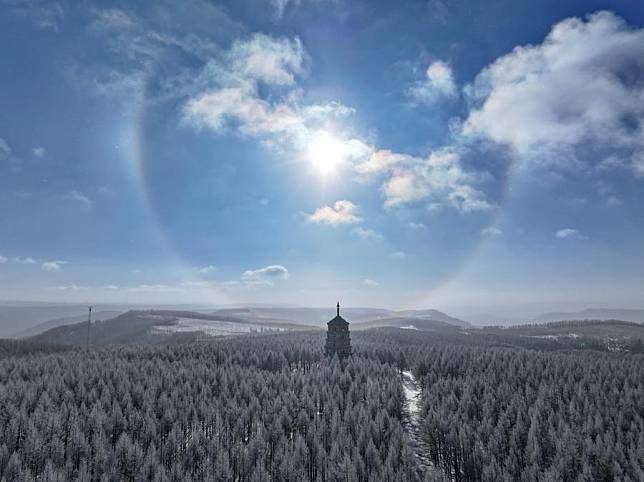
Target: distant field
(150, 327)
(214, 327)
(612, 328)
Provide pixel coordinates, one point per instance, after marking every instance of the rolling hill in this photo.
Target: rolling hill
(408, 323)
(581, 327)
(613, 335)
(67, 320)
(158, 326)
(172, 326)
(20, 317)
(636, 316)
(356, 316)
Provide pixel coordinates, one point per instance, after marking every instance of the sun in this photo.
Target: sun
(325, 152)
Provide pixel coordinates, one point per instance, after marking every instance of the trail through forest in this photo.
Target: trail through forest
(412, 402)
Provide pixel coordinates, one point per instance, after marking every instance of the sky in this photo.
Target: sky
(421, 154)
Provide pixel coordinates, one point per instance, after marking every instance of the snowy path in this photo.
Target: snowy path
(412, 404)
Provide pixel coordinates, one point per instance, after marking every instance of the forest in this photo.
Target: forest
(273, 408)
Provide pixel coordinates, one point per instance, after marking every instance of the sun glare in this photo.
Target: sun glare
(325, 152)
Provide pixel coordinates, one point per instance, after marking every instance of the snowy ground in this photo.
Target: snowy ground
(556, 337)
(412, 403)
(213, 327)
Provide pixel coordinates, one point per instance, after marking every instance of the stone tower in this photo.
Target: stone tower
(338, 339)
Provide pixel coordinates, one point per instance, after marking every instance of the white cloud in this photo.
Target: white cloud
(405, 187)
(280, 6)
(383, 160)
(5, 150)
(27, 260)
(3, 259)
(144, 39)
(269, 274)
(275, 61)
(568, 233)
(205, 270)
(342, 212)
(398, 254)
(614, 201)
(113, 19)
(6, 154)
(250, 89)
(491, 231)
(438, 11)
(570, 101)
(366, 233)
(440, 180)
(153, 288)
(438, 82)
(370, 282)
(24, 195)
(44, 15)
(71, 288)
(198, 284)
(135, 45)
(79, 197)
(38, 152)
(235, 94)
(52, 266)
(255, 116)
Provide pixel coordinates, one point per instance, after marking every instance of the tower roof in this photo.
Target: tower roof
(338, 320)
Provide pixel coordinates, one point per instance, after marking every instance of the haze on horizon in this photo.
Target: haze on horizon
(490, 159)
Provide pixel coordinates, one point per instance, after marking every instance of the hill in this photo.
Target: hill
(356, 316)
(157, 326)
(636, 316)
(433, 315)
(407, 323)
(613, 335)
(18, 317)
(67, 320)
(304, 316)
(21, 317)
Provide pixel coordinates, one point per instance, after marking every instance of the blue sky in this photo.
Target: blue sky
(448, 154)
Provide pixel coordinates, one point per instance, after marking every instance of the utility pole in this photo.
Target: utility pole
(89, 324)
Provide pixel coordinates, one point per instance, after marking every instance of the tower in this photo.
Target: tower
(338, 340)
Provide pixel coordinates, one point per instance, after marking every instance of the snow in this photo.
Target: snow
(412, 395)
(211, 327)
(556, 337)
(412, 404)
(409, 327)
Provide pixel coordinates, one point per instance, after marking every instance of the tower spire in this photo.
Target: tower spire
(338, 308)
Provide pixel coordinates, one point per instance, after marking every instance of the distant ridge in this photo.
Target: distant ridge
(636, 316)
(149, 327)
(319, 316)
(423, 320)
(434, 315)
(68, 320)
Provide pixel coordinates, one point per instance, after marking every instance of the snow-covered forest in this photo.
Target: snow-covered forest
(272, 408)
